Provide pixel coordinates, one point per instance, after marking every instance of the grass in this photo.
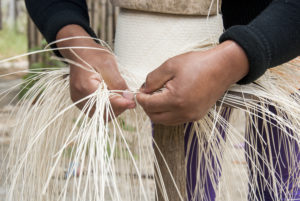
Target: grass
(12, 42)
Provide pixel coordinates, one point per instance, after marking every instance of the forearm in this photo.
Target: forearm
(50, 16)
(83, 49)
(70, 31)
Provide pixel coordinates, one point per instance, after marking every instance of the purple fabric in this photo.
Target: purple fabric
(278, 157)
(281, 167)
(192, 161)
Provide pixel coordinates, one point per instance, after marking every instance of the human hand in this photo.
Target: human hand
(192, 82)
(83, 82)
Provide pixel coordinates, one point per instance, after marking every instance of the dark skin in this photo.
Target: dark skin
(82, 82)
(193, 81)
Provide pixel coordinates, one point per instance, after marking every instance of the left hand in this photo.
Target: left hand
(83, 82)
(192, 82)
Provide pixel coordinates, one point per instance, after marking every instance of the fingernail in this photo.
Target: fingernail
(128, 95)
(143, 85)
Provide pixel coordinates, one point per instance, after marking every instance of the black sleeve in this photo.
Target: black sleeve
(272, 38)
(51, 15)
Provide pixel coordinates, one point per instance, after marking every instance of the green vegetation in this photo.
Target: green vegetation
(46, 64)
(12, 42)
(29, 78)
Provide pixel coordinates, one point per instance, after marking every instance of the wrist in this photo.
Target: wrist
(235, 60)
(73, 30)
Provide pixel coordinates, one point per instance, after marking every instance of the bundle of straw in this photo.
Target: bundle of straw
(58, 152)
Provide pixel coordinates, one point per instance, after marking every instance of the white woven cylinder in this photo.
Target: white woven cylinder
(145, 40)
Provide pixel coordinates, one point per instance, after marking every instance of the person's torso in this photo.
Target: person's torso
(183, 7)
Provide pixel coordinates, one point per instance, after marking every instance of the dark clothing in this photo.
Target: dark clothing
(268, 31)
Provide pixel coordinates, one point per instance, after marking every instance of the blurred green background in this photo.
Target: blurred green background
(13, 28)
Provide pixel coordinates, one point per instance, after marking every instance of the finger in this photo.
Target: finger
(129, 95)
(157, 78)
(120, 104)
(82, 88)
(87, 110)
(111, 75)
(117, 83)
(166, 118)
(157, 102)
(82, 82)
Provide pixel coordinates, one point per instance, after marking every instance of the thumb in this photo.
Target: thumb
(114, 80)
(158, 78)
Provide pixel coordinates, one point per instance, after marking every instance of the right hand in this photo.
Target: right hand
(83, 82)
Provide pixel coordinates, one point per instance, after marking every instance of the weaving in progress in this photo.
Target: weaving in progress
(59, 152)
